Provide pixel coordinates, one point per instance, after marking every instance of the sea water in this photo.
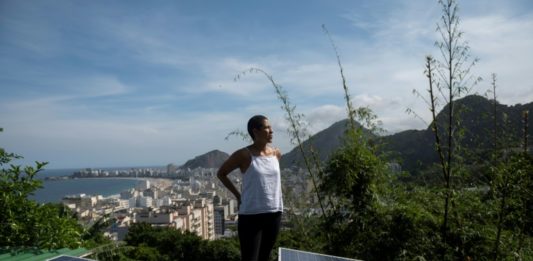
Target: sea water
(55, 190)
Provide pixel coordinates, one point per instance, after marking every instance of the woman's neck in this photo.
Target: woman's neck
(259, 146)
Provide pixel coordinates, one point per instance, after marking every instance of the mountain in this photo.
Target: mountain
(414, 149)
(212, 159)
(324, 142)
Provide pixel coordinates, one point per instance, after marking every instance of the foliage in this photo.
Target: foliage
(300, 236)
(25, 223)
(511, 186)
(144, 241)
(144, 252)
(368, 222)
(352, 174)
(240, 134)
(94, 235)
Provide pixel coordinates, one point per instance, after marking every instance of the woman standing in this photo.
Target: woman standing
(260, 204)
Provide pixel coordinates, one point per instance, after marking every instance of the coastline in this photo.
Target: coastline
(69, 177)
(53, 191)
(155, 180)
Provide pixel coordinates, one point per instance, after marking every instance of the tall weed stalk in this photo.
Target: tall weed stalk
(362, 115)
(353, 177)
(449, 79)
(347, 98)
(509, 183)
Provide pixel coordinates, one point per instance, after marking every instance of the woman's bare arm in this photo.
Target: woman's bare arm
(232, 163)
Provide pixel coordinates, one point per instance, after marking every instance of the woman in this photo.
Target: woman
(261, 204)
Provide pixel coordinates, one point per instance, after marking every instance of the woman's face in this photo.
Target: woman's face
(264, 133)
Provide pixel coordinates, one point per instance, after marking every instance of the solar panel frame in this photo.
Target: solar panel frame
(68, 258)
(286, 254)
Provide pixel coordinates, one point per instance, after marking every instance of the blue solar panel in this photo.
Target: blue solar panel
(68, 258)
(286, 254)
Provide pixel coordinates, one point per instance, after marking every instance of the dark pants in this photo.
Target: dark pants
(257, 235)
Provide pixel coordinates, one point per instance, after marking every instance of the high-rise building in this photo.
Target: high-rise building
(143, 185)
(207, 218)
(127, 194)
(151, 192)
(197, 217)
(132, 202)
(154, 217)
(81, 201)
(217, 200)
(164, 202)
(172, 170)
(145, 202)
(233, 206)
(219, 221)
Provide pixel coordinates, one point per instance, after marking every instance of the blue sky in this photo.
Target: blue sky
(136, 83)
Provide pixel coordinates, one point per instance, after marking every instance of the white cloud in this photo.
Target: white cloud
(504, 46)
(96, 86)
(319, 78)
(365, 100)
(231, 76)
(324, 116)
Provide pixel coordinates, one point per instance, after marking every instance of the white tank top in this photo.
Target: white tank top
(261, 186)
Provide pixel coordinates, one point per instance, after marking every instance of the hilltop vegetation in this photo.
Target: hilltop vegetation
(414, 150)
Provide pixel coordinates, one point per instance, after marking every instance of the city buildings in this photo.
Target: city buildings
(194, 200)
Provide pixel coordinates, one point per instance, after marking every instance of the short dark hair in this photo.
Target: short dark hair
(256, 122)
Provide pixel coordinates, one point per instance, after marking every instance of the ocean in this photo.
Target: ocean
(55, 190)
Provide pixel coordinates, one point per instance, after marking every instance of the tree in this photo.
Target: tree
(512, 184)
(172, 244)
(24, 222)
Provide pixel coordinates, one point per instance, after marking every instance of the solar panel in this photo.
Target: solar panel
(286, 254)
(68, 258)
